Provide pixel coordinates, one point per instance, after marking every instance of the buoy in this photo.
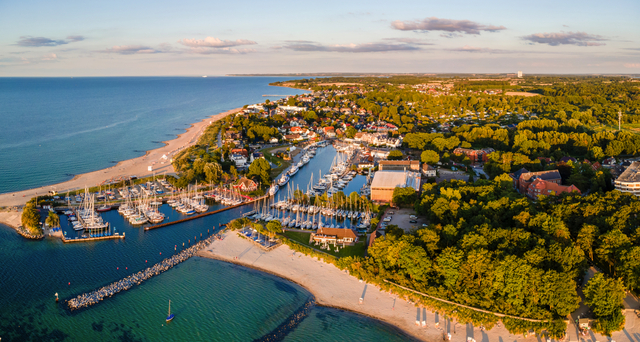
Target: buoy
(69, 283)
(160, 253)
(117, 268)
(145, 261)
(126, 268)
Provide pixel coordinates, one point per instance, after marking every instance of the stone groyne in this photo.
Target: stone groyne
(87, 299)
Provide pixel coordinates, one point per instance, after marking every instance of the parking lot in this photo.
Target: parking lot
(445, 175)
(401, 218)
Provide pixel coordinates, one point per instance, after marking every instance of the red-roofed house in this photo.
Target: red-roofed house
(334, 236)
(240, 151)
(546, 188)
(246, 185)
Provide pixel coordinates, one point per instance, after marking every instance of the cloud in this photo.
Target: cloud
(39, 41)
(632, 65)
(42, 41)
(446, 25)
(211, 42)
(412, 41)
(565, 38)
(367, 47)
(49, 57)
(131, 50)
(73, 39)
(226, 50)
(473, 49)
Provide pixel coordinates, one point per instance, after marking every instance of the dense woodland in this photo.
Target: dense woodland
(486, 246)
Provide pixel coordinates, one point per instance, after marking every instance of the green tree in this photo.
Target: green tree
(213, 172)
(430, 157)
(605, 298)
(53, 220)
(395, 155)
(351, 132)
(31, 219)
(260, 168)
(404, 196)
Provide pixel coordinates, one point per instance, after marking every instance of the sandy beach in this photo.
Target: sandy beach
(158, 158)
(335, 288)
(11, 218)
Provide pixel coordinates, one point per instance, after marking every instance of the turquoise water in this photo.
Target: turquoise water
(212, 300)
(55, 128)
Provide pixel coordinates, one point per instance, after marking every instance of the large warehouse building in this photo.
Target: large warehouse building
(384, 182)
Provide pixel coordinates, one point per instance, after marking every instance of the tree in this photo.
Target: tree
(260, 168)
(395, 155)
(351, 132)
(213, 171)
(404, 196)
(31, 219)
(430, 157)
(605, 298)
(53, 220)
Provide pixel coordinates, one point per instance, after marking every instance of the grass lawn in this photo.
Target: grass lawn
(303, 239)
(282, 164)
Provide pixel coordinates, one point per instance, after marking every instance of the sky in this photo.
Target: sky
(198, 37)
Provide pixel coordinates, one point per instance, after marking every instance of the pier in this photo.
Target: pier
(201, 215)
(87, 299)
(99, 238)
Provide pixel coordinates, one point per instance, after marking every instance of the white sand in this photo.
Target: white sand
(132, 167)
(11, 218)
(335, 288)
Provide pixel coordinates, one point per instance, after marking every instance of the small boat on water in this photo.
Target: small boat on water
(103, 208)
(170, 316)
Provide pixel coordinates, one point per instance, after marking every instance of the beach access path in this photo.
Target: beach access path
(335, 288)
(158, 158)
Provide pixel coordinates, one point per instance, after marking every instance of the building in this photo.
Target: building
(523, 178)
(542, 187)
(246, 185)
(474, 155)
(340, 236)
(428, 170)
(519, 74)
(384, 182)
(293, 137)
(629, 180)
(399, 165)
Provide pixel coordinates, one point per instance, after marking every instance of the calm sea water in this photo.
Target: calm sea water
(212, 300)
(55, 128)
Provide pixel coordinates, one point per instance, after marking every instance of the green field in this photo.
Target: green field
(282, 164)
(303, 239)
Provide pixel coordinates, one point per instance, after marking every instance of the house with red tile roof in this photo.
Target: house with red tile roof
(542, 187)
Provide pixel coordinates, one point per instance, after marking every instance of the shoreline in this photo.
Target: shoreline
(137, 166)
(209, 255)
(321, 279)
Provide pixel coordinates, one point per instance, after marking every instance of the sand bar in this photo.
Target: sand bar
(335, 288)
(131, 167)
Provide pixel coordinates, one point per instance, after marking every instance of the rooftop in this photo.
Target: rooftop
(631, 174)
(393, 179)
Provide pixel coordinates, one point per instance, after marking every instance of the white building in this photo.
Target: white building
(629, 180)
(519, 74)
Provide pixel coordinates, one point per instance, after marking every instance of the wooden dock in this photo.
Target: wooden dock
(110, 237)
(194, 217)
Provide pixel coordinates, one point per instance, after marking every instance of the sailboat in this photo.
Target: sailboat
(171, 316)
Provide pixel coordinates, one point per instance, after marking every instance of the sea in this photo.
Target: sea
(57, 127)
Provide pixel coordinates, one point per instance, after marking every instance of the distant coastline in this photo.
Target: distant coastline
(158, 158)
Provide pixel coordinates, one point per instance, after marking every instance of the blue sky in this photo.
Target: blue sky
(196, 37)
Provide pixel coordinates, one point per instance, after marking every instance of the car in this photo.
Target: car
(390, 213)
(413, 217)
(387, 219)
(413, 221)
(425, 225)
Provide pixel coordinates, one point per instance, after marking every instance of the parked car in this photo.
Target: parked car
(413, 221)
(413, 217)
